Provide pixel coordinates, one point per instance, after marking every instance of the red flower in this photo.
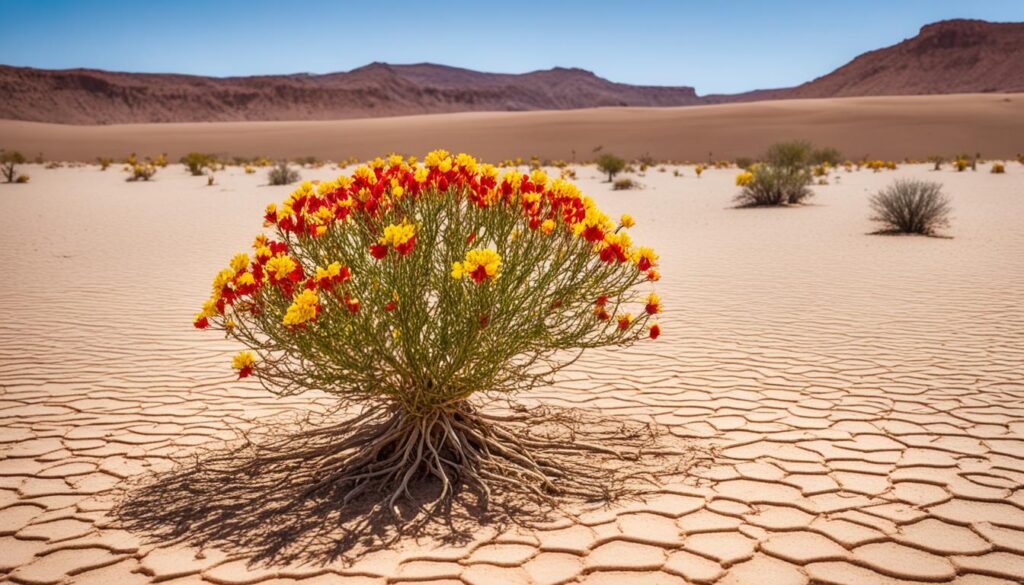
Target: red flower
(406, 247)
(201, 323)
(601, 300)
(378, 251)
(391, 306)
(593, 233)
(643, 264)
(472, 236)
(244, 372)
(655, 331)
(352, 304)
(479, 274)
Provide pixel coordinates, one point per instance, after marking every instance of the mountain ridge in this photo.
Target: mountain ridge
(952, 56)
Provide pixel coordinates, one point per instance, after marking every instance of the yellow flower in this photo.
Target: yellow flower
(259, 242)
(242, 360)
(480, 264)
(464, 161)
(221, 280)
(398, 236)
(280, 266)
(246, 280)
(645, 258)
(210, 308)
(436, 158)
(240, 262)
(539, 177)
(421, 175)
(303, 308)
(547, 226)
(744, 178)
(627, 220)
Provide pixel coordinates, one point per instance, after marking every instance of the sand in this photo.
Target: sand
(864, 392)
(879, 127)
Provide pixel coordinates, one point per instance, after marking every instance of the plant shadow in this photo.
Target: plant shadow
(242, 499)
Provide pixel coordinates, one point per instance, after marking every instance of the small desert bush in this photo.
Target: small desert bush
(198, 162)
(744, 162)
(104, 162)
(417, 296)
(998, 168)
(773, 185)
(743, 179)
(282, 174)
(825, 155)
(249, 169)
(911, 206)
(961, 163)
(699, 169)
(22, 178)
(140, 171)
(160, 160)
(611, 165)
(937, 160)
(9, 161)
(782, 179)
(625, 184)
(792, 154)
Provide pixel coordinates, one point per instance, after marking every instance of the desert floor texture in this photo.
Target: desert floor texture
(865, 394)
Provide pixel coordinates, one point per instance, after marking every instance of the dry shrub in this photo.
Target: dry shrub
(625, 184)
(911, 206)
(282, 174)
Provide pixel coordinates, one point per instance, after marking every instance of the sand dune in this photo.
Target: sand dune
(864, 392)
(882, 127)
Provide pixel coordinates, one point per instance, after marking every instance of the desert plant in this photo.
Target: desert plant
(282, 174)
(937, 160)
(416, 295)
(611, 165)
(744, 162)
(791, 155)
(961, 163)
(249, 169)
(9, 160)
(782, 179)
(998, 168)
(745, 178)
(22, 178)
(198, 162)
(825, 155)
(699, 169)
(143, 171)
(104, 162)
(160, 160)
(773, 185)
(911, 206)
(624, 184)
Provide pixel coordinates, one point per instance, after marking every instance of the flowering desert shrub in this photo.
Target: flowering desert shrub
(140, 171)
(783, 178)
(416, 295)
(198, 162)
(625, 184)
(998, 168)
(911, 206)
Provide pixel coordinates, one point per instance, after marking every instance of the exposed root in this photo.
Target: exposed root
(339, 490)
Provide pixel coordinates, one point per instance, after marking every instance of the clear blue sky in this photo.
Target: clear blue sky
(715, 45)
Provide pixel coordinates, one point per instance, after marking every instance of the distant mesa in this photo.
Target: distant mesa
(953, 56)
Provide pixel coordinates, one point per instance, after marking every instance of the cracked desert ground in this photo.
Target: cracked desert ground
(865, 393)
